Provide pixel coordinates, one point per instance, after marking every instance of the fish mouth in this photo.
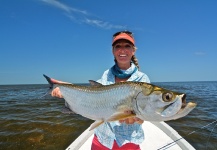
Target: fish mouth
(178, 107)
(174, 107)
(184, 104)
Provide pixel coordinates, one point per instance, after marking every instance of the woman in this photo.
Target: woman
(128, 133)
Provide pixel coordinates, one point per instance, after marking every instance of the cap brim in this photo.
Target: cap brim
(123, 36)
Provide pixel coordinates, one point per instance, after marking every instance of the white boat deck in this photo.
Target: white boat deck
(157, 136)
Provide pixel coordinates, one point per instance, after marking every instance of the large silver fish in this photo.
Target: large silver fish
(105, 103)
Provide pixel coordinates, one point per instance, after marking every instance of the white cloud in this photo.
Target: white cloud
(64, 7)
(58, 5)
(81, 16)
(102, 24)
(199, 53)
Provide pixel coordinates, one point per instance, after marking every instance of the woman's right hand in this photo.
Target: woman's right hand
(56, 93)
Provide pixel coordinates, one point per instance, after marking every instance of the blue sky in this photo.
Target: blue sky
(71, 40)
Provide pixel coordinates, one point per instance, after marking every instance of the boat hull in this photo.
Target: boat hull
(157, 136)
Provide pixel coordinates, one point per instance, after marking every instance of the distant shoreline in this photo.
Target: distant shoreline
(88, 83)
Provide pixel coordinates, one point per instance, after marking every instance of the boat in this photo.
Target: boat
(158, 136)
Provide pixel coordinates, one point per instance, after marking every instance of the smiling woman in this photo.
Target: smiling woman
(123, 52)
(123, 49)
(126, 68)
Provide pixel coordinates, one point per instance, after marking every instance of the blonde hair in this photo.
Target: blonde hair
(135, 61)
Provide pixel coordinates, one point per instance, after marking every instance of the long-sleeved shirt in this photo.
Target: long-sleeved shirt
(121, 132)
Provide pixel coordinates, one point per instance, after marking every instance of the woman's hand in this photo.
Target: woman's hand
(56, 93)
(132, 120)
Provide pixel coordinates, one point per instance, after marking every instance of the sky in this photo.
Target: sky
(70, 40)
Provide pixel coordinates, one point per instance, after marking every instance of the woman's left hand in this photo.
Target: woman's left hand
(132, 120)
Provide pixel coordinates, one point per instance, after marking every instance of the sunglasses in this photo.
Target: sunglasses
(127, 32)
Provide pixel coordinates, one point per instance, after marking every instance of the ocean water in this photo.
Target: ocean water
(30, 122)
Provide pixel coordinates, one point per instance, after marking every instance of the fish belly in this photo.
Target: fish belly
(98, 104)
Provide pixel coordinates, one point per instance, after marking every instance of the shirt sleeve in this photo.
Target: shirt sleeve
(145, 78)
(107, 78)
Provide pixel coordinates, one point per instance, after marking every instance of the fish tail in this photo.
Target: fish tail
(49, 80)
(51, 83)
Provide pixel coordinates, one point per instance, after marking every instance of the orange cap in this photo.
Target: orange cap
(123, 36)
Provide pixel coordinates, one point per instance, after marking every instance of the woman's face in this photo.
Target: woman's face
(123, 52)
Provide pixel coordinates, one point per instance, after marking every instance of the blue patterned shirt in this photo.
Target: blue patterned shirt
(121, 132)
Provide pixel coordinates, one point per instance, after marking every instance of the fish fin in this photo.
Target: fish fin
(94, 83)
(66, 109)
(96, 124)
(49, 80)
(52, 81)
(121, 116)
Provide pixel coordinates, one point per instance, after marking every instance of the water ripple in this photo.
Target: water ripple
(28, 122)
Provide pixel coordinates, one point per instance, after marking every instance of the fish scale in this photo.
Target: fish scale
(97, 103)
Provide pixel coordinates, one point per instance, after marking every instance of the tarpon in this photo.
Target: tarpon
(105, 103)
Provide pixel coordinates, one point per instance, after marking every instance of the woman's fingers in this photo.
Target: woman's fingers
(56, 93)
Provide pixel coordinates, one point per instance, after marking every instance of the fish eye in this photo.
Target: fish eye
(167, 96)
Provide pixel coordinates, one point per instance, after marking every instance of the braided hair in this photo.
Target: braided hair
(135, 61)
